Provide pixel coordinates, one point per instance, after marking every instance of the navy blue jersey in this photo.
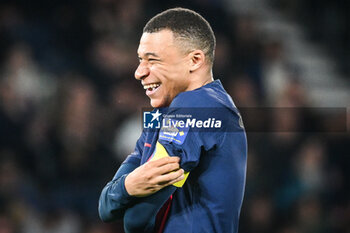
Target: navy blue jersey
(215, 157)
(211, 198)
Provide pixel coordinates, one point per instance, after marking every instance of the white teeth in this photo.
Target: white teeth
(152, 85)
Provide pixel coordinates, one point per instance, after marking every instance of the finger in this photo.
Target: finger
(167, 168)
(177, 179)
(162, 161)
(174, 180)
(166, 178)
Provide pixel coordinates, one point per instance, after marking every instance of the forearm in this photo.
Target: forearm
(114, 198)
(142, 215)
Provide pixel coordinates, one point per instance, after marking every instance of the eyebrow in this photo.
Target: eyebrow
(151, 54)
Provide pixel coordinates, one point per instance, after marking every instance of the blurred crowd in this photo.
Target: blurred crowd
(328, 23)
(70, 113)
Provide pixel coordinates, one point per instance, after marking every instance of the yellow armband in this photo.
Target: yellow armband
(160, 152)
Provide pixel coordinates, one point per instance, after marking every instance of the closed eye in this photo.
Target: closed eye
(148, 59)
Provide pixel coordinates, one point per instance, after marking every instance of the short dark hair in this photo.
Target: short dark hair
(188, 26)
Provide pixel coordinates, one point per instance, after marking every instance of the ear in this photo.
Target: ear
(197, 59)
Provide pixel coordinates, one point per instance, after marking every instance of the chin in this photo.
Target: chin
(155, 104)
(158, 104)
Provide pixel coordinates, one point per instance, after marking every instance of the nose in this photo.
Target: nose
(142, 71)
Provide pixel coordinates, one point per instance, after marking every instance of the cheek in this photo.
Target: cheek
(173, 79)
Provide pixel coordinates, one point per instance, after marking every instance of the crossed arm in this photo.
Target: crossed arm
(138, 192)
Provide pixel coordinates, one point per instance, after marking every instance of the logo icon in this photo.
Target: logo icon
(151, 120)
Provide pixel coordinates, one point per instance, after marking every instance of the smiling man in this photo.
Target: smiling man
(168, 70)
(192, 180)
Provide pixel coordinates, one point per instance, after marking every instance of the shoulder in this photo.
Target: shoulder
(211, 95)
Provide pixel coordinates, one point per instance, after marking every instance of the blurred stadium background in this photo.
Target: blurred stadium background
(70, 107)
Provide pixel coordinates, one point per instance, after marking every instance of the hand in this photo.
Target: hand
(153, 176)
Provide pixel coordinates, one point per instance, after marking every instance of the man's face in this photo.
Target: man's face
(163, 68)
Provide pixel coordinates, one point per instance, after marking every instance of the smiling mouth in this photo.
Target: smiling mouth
(151, 87)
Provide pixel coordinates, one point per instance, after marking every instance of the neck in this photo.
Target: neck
(200, 80)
